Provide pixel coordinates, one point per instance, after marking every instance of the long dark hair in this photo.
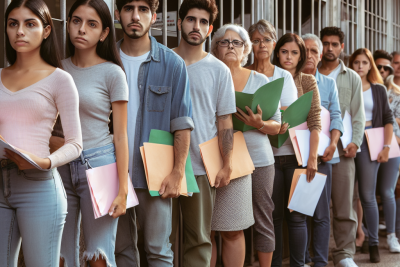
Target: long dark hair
(49, 48)
(108, 48)
(288, 38)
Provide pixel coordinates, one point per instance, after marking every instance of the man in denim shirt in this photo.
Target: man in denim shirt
(159, 99)
(329, 100)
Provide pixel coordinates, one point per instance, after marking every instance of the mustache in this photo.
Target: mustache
(195, 32)
(135, 24)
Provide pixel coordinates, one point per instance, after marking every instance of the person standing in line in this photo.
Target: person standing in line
(382, 61)
(349, 87)
(96, 67)
(329, 100)
(233, 210)
(378, 114)
(159, 98)
(33, 91)
(212, 92)
(290, 54)
(263, 36)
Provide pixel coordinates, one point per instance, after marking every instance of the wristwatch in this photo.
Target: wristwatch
(388, 146)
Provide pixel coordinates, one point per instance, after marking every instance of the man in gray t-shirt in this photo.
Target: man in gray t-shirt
(213, 102)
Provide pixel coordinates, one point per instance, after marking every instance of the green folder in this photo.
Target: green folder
(167, 138)
(267, 96)
(295, 115)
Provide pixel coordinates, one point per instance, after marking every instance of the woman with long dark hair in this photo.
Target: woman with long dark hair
(290, 55)
(378, 114)
(33, 91)
(96, 67)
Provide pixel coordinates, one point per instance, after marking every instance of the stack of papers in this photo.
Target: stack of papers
(156, 165)
(294, 115)
(5, 145)
(304, 196)
(267, 96)
(104, 186)
(375, 138)
(212, 159)
(300, 137)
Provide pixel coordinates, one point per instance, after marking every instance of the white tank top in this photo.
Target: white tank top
(368, 104)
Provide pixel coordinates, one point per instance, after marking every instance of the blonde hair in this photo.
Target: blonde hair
(391, 85)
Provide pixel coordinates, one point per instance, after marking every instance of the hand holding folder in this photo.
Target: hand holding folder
(104, 187)
(375, 139)
(212, 159)
(304, 196)
(294, 115)
(267, 96)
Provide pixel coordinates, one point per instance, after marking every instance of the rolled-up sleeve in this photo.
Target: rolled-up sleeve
(181, 108)
(334, 108)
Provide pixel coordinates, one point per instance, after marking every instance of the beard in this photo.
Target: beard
(135, 34)
(194, 43)
(334, 58)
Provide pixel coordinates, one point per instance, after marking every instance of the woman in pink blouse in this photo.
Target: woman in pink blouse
(33, 91)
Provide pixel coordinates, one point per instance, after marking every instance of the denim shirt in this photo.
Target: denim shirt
(165, 102)
(328, 94)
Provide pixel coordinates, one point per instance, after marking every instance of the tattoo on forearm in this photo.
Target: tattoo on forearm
(226, 142)
(223, 117)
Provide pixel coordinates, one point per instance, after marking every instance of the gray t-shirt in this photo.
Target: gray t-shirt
(98, 86)
(212, 93)
(258, 143)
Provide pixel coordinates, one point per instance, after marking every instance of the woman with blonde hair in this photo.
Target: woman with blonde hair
(377, 114)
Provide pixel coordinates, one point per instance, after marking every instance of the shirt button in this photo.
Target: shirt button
(159, 89)
(140, 86)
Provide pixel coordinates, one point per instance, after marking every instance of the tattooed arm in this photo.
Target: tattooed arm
(225, 142)
(171, 186)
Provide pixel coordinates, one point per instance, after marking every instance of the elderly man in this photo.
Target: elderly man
(329, 100)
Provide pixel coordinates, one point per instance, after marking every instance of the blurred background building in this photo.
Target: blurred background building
(374, 24)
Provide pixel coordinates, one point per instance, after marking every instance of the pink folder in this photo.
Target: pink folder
(104, 185)
(375, 139)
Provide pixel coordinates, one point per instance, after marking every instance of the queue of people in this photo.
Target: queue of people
(57, 113)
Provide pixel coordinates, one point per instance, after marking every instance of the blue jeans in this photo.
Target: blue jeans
(297, 222)
(321, 220)
(367, 172)
(33, 207)
(100, 234)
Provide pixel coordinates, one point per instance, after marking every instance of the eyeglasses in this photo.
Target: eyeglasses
(226, 43)
(385, 67)
(265, 41)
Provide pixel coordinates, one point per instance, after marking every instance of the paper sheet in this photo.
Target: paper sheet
(347, 135)
(306, 195)
(375, 139)
(104, 186)
(4, 145)
(241, 160)
(325, 121)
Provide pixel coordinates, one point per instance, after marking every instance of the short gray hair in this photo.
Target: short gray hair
(219, 34)
(264, 27)
(313, 37)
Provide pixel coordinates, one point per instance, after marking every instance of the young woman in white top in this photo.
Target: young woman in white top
(33, 91)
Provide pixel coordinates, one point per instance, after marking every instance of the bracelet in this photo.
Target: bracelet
(261, 126)
(388, 146)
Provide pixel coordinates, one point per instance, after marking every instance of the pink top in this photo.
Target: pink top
(27, 117)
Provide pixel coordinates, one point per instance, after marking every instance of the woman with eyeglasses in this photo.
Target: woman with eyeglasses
(377, 114)
(290, 54)
(235, 202)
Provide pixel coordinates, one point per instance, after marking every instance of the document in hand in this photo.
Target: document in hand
(158, 161)
(304, 196)
(267, 96)
(5, 145)
(375, 139)
(294, 115)
(104, 186)
(348, 131)
(167, 138)
(212, 159)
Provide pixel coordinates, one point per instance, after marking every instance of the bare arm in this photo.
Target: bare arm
(120, 121)
(225, 142)
(388, 134)
(255, 120)
(171, 186)
(330, 150)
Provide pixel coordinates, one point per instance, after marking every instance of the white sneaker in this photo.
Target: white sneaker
(393, 243)
(348, 262)
(306, 265)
